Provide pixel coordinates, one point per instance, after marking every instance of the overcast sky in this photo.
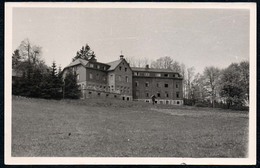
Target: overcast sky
(196, 37)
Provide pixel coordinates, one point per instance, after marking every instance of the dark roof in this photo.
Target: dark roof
(113, 64)
(78, 61)
(152, 70)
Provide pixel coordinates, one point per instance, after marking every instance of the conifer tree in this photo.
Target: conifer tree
(85, 53)
(71, 88)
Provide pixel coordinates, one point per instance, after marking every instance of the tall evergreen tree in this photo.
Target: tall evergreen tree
(85, 53)
(71, 88)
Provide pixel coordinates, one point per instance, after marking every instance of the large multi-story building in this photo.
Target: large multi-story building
(118, 80)
(165, 85)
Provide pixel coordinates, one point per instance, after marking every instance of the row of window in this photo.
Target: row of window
(157, 74)
(120, 78)
(158, 95)
(98, 66)
(166, 85)
(120, 68)
(98, 76)
(107, 94)
(122, 89)
(99, 94)
(161, 102)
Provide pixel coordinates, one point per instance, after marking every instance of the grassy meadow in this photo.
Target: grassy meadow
(115, 128)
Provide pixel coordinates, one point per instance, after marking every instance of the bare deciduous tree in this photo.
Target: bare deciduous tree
(210, 80)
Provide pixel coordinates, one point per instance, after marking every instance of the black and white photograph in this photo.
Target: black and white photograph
(130, 83)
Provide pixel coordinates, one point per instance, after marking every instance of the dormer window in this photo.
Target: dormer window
(120, 68)
(91, 65)
(166, 75)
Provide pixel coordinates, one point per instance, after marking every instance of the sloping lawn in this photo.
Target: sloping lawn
(109, 128)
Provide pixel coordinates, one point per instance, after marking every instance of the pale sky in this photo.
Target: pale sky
(196, 37)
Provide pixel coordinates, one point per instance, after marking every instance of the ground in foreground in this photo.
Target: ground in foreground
(107, 128)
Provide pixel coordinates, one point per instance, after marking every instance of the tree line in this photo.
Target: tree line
(214, 87)
(36, 79)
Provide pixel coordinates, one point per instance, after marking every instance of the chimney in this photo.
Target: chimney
(121, 56)
(147, 66)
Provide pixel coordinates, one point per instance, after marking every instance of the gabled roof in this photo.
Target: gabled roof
(152, 70)
(78, 61)
(114, 64)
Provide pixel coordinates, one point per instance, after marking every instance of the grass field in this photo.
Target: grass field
(109, 128)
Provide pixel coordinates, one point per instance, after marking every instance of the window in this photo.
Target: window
(146, 74)
(91, 65)
(126, 79)
(115, 96)
(89, 92)
(177, 95)
(104, 68)
(107, 95)
(166, 85)
(77, 77)
(166, 75)
(178, 102)
(123, 98)
(147, 94)
(120, 68)
(158, 75)
(125, 69)
(176, 75)
(136, 83)
(146, 84)
(158, 94)
(98, 94)
(135, 73)
(177, 85)
(98, 66)
(166, 94)
(90, 76)
(167, 102)
(127, 98)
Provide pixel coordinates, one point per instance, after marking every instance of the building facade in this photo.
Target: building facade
(165, 85)
(118, 80)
